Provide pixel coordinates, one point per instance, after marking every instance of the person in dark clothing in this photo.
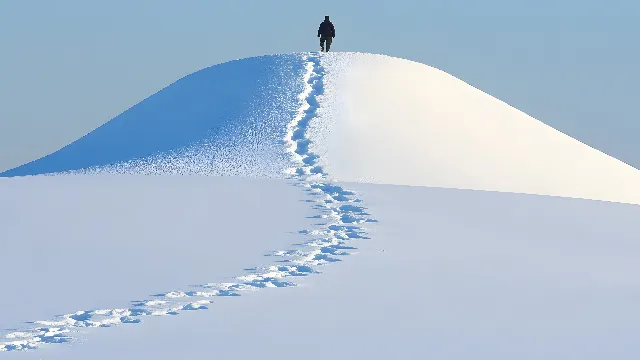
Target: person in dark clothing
(326, 33)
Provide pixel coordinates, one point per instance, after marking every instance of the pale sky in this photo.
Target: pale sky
(70, 65)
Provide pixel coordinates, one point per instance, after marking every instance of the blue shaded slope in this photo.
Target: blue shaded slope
(209, 105)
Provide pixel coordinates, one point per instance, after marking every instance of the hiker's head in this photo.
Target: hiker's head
(326, 18)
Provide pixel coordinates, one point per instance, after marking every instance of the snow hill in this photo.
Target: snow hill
(283, 247)
(384, 120)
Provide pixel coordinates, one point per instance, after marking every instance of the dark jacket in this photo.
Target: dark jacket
(327, 29)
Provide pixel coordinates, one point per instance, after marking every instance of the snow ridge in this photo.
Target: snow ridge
(342, 212)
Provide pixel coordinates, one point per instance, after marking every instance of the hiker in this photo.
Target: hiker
(326, 33)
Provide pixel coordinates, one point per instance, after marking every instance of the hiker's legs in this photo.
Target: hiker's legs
(322, 39)
(329, 40)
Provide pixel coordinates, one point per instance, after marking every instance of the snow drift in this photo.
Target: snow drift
(227, 119)
(382, 120)
(396, 121)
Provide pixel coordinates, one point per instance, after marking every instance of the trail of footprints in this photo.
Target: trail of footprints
(343, 217)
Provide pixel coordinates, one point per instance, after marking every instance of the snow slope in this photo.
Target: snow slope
(383, 120)
(396, 121)
(227, 119)
(461, 271)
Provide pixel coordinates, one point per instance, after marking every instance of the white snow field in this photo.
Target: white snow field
(227, 216)
(73, 242)
(446, 274)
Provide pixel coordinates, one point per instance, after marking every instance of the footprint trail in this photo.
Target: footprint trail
(343, 215)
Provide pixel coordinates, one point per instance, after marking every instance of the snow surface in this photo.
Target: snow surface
(227, 119)
(302, 265)
(395, 121)
(447, 274)
(72, 243)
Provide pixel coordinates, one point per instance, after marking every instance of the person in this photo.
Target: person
(326, 33)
